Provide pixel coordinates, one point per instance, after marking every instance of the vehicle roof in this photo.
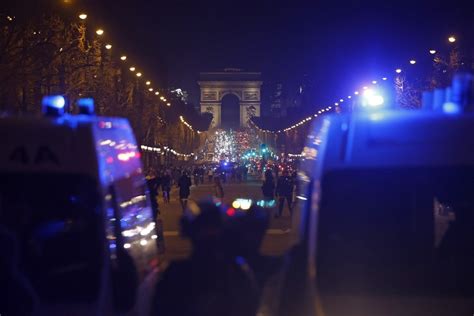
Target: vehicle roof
(392, 139)
(78, 144)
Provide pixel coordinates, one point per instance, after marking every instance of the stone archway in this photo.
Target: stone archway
(215, 86)
(230, 112)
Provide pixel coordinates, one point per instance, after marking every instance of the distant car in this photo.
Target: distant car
(374, 239)
(72, 191)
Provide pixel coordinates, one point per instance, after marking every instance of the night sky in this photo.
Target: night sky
(338, 44)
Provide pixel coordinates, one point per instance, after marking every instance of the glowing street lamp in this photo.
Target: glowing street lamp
(168, 104)
(432, 51)
(356, 92)
(452, 39)
(82, 16)
(398, 70)
(156, 93)
(384, 78)
(132, 68)
(123, 57)
(139, 74)
(374, 81)
(108, 46)
(99, 32)
(150, 89)
(148, 83)
(412, 61)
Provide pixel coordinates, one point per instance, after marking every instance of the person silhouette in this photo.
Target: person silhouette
(211, 280)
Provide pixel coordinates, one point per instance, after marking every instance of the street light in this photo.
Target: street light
(82, 16)
(123, 57)
(356, 92)
(150, 89)
(452, 39)
(374, 81)
(132, 68)
(156, 93)
(412, 61)
(99, 32)
(139, 74)
(384, 78)
(398, 70)
(168, 104)
(148, 83)
(108, 46)
(432, 51)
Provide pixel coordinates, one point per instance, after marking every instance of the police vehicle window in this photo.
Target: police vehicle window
(398, 232)
(56, 222)
(136, 221)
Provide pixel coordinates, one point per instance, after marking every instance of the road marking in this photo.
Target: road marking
(272, 231)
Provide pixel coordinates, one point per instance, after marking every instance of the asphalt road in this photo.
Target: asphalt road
(280, 235)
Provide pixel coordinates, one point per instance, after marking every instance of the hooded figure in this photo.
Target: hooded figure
(212, 281)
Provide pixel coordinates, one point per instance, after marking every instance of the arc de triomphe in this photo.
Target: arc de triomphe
(244, 85)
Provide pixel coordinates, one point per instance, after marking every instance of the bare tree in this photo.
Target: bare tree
(52, 55)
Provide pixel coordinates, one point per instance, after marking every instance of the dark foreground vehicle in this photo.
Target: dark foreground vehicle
(73, 197)
(388, 218)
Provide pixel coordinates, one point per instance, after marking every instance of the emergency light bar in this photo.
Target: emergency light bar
(86, 106)
(53, 105)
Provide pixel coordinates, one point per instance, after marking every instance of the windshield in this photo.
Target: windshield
(406, 232)
(55, 220)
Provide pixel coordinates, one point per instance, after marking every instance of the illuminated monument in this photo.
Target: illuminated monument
(232, 96)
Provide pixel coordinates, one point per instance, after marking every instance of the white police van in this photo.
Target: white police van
(73, 193)
(388, 216)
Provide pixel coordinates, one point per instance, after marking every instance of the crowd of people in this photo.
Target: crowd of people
(276, 186)
(165, 178)
(225, 262)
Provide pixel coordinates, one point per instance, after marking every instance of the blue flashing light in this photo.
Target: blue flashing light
(53, 105)
(372, 98)
(451, 108)
(86, 105)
